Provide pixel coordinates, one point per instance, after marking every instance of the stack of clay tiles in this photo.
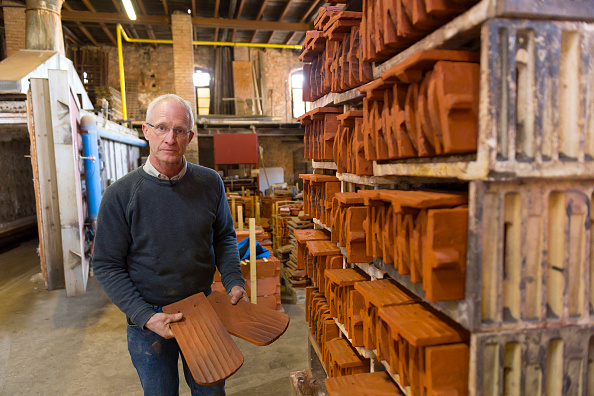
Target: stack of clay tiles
(318, 192)
(268, 281)
(334, 52)
(349, 145)
(348, 216)
(422, 234)
(390, 26)
(321, 125)
(425, 106)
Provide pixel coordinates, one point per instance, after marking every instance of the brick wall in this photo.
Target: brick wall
(183, 67)
(276, 66)
(278, 152)
(14, 26)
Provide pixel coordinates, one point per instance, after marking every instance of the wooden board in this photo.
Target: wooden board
(209, 350)
(63, 109)
(45, 184)
(256, 324)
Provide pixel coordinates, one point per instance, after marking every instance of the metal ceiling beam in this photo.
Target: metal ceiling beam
(223, 23)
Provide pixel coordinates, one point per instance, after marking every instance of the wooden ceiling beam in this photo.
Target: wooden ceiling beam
(221, 23)
(261, 11)
(284, 13)
(81, 27)
(149, 28)
(217, 6)
(106, 30)
(165, 8)
(314, 5)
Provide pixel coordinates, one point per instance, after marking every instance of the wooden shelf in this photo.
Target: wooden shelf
(324, 165)
(319, 223)
(364, 352)
(365, 180)
(314, 345)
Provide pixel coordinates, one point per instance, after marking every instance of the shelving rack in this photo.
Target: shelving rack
(529, 298)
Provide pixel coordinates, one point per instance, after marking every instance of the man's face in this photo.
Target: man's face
(167, 150)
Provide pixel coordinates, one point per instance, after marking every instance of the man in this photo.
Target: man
(161, 230)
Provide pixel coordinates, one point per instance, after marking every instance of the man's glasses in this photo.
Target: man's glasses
(163, 130)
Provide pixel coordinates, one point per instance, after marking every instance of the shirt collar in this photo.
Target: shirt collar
(151, 170)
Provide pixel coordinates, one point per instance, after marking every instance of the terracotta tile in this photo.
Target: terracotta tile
(446, 369)
(258, 325)
(412, 68)
(322, 248)
(209, 350)
(356, 303)
(444, 254)
(453, 101)
(344, 359)
(377, 294)
(364, 384)
(420, 327)
(355, 235)
(302, 236)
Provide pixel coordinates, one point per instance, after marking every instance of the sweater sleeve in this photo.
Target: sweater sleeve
(225, 243)
(111, 244)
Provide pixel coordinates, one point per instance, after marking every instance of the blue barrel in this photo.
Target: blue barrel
(88, 126)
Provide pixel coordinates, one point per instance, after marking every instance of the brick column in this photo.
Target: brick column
(14, 26)
(183, 67)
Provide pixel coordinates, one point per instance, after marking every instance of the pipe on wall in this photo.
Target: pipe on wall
(88, 126)
(121, 33)
(43, 25)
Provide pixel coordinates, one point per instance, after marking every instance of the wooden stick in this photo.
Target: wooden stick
(253, 279)
(233, 212)
(240, 218)
(257, 211)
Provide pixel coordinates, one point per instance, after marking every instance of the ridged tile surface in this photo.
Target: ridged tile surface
(367, 384)
(256, 324)
(209, 350)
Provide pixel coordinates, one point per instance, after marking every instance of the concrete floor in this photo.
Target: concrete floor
(53, 345)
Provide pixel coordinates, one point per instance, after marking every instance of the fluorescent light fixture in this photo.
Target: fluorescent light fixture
(129, 9)
(189, 11)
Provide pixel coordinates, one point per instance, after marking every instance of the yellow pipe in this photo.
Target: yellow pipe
(122, 33)
(121, 66)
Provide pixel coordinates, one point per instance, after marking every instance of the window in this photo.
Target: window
(202, 84)
(299, 106)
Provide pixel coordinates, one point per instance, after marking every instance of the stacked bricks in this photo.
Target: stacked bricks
(423, 234)
(424, 106)
(14, 26)
(334, 52)
(321, 126)
(390, 26)
(183, 66)
(267, 283)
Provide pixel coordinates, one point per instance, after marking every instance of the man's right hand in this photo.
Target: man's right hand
(159, 323)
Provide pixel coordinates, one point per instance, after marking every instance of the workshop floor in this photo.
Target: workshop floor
(53, 345)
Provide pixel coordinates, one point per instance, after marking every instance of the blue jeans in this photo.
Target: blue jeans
(156, 358)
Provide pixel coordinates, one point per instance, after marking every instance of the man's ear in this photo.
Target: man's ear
(145, 131)
(191, 136)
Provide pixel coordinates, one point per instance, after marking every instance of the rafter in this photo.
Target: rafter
(81, 27)
(217, 5)
(259, 17)
(103, 26)
(284, 13)
(239, 10)
(314, 5)
(165, 8)
(149, 28)
(221, 23)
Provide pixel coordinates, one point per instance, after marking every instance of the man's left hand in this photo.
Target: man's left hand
(238, 293)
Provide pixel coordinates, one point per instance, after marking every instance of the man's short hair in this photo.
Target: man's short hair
(171, 97)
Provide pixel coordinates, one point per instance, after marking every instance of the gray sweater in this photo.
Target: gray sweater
(158, 242)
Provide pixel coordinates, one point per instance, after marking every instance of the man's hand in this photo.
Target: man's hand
(159, 323)
(238, 293)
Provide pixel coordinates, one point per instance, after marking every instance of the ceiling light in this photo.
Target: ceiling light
(129, 10)
(189, 11)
